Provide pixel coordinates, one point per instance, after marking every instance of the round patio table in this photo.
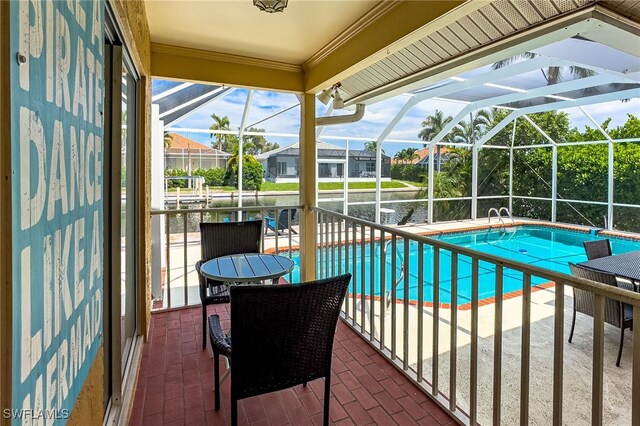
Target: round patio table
(247, 267)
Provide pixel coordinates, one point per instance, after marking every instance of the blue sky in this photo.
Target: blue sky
(375, 120)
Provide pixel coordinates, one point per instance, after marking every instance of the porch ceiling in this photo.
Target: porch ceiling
(332, 41)
(237, 27)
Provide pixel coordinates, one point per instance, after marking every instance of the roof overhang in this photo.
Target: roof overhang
(594, 22)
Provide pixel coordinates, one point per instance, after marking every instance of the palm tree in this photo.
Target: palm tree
(401, 155)
(431, 126)
(411, 154)
(552, 75)
(372, 146)
(220, 123)
(466, 132)
(168, 139)
(444, 186)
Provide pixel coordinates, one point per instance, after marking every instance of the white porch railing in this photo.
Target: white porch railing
(176, 247)
(502, 363)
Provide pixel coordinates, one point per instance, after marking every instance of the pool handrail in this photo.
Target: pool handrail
(493, 209)
(506, 210)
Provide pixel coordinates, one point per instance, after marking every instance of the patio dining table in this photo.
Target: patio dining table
(625, 265)
(247, 267)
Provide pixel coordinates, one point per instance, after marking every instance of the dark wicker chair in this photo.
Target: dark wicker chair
(283, 222)
(222, 239)
(616, 313)
(597, 248)
(282, 336)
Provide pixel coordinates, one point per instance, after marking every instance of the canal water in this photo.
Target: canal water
(403, 211)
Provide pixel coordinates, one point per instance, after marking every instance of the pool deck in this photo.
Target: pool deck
(577, 359)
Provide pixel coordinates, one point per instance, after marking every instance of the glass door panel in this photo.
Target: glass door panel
(127, 215)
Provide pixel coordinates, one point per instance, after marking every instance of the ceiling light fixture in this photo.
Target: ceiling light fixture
(270, 6)
(338, 103)
(325, 95)
(332, 92)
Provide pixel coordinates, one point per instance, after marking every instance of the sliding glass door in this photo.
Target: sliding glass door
(128, 296)
(121, 315)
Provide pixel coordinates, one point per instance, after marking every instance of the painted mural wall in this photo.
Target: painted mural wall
(57, 102)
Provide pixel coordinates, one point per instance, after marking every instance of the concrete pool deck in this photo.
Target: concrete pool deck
(577, 365)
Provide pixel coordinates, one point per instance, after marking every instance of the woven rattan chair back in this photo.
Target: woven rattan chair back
(225, 238)
(222, 239)
(584, 300)
(615, 313)
(597, 248)
(283, 335)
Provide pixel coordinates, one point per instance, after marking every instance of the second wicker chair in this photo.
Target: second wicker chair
(222, 239)
(616, 313)
(597, 248)
(282, 336)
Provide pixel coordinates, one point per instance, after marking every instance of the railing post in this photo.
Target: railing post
(475, 151)
(308, 199)
(430, 188)
(554, 183)
(635, 376)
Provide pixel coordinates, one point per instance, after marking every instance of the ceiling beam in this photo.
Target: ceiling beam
(490, 77)
(186, 64)
(615, 30)
(171, 91)
(515, 97)
(554, 106)
(218, 95)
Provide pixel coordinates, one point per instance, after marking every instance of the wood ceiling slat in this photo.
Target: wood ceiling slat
(503, 25)
(406, 62)
(564, 5)
(464, 35)
(452, 37)
(509, 12)
(485, 26)
(473, 29)
(435, 48)
(426, 52)
(446, 45)
(528, 12)
(392, 68)
(546, 8)
(413, 50)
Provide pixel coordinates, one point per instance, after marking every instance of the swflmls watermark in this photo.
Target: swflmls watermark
(28, 414)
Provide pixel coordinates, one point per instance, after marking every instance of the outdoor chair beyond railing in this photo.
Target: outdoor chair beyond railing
(282, 337)
(597, 249)
(616, 313)
(283, 222)
(222, 239)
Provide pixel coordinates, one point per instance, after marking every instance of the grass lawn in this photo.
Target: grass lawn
(272, 186)
(414, 183)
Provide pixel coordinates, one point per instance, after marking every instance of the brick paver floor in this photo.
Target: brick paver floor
(175, 384)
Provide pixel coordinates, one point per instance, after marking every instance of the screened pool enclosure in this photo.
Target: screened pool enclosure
(515, 140)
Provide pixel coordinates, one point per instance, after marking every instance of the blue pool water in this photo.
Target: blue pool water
(549, 248)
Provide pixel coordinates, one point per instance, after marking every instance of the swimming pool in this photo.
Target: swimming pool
(550, 248)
